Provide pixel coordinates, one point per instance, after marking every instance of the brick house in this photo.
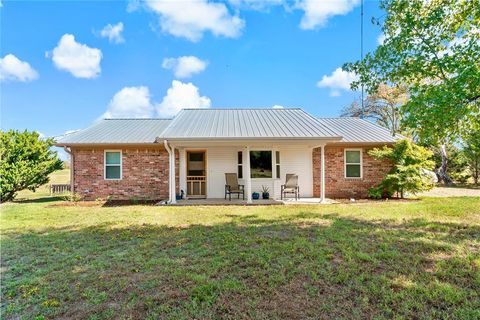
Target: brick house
(160, 158)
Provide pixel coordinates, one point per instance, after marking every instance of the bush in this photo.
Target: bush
(379, 193)
(26, 162)
(409, 161)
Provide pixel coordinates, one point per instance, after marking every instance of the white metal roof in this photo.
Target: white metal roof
(247, 124)
(217, 124)
(356, 130)
(117, 131)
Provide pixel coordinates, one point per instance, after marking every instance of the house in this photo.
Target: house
(156, 158)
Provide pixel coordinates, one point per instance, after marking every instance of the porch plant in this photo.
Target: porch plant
(255, 196)
(265, 192)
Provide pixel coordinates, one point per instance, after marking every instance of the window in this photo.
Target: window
(196, 164)
(277, 163)
(113, 165)
(353, 163)
(240, 165)
(261, 164)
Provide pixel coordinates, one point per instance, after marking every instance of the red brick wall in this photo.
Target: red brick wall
(144, 174)
(336, 185)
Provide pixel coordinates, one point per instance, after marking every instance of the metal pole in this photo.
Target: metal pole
(361, 52)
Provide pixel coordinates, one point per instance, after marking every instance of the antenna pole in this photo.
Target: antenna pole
(361, 51)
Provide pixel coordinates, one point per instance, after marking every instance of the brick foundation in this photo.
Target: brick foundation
(145, 174)
(336, 185)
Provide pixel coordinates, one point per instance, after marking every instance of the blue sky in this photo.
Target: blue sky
(60, 72)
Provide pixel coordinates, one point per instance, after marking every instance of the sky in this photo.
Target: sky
(66, 64)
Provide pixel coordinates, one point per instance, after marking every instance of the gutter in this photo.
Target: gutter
(72, 168)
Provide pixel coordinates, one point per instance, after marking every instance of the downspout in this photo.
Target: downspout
(171, 193)
(72, 168)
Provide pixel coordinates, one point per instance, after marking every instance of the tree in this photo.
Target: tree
(407, 174)
(26, 162)
(381, 106)
(471, 151)
(433, 48)
(450, 163)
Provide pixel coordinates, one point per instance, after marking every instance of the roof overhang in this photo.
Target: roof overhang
(103, 144)
(254, 142)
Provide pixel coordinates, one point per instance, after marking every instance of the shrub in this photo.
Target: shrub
(409, 160)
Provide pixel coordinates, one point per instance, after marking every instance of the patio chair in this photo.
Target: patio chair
(290, 186)
(232, 186)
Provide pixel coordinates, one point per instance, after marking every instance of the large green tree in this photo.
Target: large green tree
(433, 48)
(26, 162)
(471, 151)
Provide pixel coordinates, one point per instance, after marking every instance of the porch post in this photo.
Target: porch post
(246, 173)
(173, 177)
(322, 175)
(183, 170)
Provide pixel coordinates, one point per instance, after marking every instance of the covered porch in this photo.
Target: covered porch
(259, 166)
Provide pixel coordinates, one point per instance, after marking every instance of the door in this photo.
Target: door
(196, 174)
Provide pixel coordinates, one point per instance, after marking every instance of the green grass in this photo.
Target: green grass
(61, 176)
(379, 260)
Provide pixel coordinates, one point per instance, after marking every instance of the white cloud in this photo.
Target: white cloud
(78, 59)
(130, 102)
(133, 5)
(339, 80)
(277, 107)
(113, 32)
(317, 12)
(381, 39)
(192, 20)
(12, 68)
(255, 4)
(184, 67)
(181, 95)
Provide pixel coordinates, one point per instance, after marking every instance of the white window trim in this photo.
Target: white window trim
(105, 164)
(345, 162)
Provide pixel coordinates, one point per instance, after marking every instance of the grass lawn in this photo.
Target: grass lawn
(383, 260)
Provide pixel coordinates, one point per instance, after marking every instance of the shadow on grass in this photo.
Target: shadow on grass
(248, 268)
(40, 199)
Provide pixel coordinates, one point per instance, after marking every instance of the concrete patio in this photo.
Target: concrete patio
(259, 202)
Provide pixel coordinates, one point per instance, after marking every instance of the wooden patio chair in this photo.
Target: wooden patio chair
(290, 186)
(232, 186)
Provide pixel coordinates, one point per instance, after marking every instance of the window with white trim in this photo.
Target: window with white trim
(113, 165)
(353, 163)
(277, 164)
(261, 164)
(240, 165)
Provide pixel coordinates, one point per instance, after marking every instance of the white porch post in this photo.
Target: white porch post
(183, 170)
(246, 173)
(322, 175)
(174, 187)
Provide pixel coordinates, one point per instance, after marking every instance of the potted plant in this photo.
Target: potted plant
(265, 192)
(255, 196)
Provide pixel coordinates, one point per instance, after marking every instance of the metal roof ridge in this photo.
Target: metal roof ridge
(251, 108)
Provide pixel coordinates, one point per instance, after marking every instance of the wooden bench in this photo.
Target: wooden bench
(59, 188)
